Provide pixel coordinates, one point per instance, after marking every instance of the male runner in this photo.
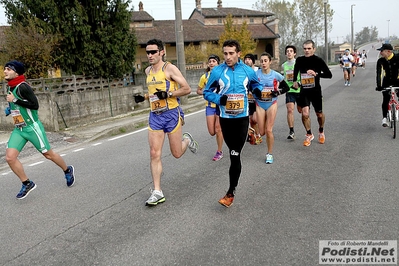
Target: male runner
(293, 94)
(346, 63)
(165, 84)
(234, 79)
(23, 107)
(311, 68)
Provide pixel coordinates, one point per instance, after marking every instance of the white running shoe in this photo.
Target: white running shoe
(384, 122)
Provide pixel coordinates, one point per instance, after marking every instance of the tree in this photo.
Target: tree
(299, 20)
(31, 46)
(95, 34)
(241, 34)
(366, 35)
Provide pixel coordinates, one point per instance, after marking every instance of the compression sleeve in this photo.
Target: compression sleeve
(29, 99)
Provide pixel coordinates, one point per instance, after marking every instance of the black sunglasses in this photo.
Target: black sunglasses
(151, 51)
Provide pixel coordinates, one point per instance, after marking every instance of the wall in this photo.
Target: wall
(76, 100)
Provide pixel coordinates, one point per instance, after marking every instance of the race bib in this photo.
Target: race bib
(307, 81)
(157, 105)
(289, 75)
(234, 104)
(267, 94)
(18, 119)
(347, 64)
(251, 98)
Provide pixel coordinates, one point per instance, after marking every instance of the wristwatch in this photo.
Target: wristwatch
(170, 94)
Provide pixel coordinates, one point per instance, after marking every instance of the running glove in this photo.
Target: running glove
(257, 93)
(138, 98)
(223, 100)
(161, 94)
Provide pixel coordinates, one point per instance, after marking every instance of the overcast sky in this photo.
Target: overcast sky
(366, 13)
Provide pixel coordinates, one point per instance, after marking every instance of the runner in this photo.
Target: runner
(346, 64)
(23, 107)
(212, 110)
(292, 95)
(235, 79)
(363, 56)
(311, 68)
(254, 137)
(165, 85)
(266, 105)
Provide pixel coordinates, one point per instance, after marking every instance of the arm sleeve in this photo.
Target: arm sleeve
(296, 71)
(209, 95)
(29, 99)
(254, 83)
(283, 86)
(325, 71)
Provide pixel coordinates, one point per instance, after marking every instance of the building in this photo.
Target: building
(204, 25)
(337, 50)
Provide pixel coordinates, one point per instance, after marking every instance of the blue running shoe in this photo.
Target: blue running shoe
(269, 158)
(25, 190)
(70, 176)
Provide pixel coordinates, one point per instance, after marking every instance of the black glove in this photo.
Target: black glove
(276, 93)
(138, 98)
(378, 88)
(257, 93)
(223, 100)
(161, 94)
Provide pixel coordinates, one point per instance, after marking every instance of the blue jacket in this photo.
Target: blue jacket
(234, 83)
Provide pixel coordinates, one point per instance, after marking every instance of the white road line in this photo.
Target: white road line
(81, 149)
(33, 164)
(96, 144)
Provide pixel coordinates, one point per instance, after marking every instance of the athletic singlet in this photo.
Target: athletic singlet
(288, 70)
(159, 81)
(347, 61)
(267, 81)
(202, 84)
(22, 116)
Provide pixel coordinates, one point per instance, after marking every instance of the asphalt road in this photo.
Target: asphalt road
(344, 189)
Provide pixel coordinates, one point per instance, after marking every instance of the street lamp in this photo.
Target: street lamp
(325, 30)
(388, 28)
(352, 27)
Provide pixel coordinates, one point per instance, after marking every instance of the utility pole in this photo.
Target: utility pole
(352, 46)
(325, 30)
(388, 30)
(181, 60)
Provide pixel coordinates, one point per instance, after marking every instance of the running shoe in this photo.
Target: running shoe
(218, 156)
(25, 190)
(258, 139)
(291, 135)
(346, 83)
(384, 122)
(308, 140)
(70, 176)
(227, 200)
(155, 198)
(193, 145)
(251, 136)
(322, 138)
(349, 84)
(269, 158)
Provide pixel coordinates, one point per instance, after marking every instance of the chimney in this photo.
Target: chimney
(141, 6)
(198, 4)
(220, 4)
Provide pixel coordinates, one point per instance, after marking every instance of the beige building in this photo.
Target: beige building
(337, 50)
(204, 25)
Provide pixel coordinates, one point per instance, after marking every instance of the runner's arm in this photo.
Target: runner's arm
(29, 99)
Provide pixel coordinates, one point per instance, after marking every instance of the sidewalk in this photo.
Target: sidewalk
(98, 129)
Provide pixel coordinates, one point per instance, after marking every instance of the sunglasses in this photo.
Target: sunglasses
(151, 51)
